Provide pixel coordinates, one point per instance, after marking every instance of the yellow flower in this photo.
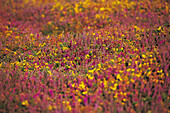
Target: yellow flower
(79, 100)
(1, 64)
(73, 84)
(49, 23)
(136, 62)
(87, 56)
(73, 73)
(50, 107)
(105, 83)
(113, 49)
(102, 9)
(76, 8)
(99, 66)
(144, 56)
(118, 77)
(17, 37)
(159, 28)
(69, 108)
(85, 92)
(115, 86)
(48, 98)
(132, 80)
(65, 48)
(42, 15)
(149, 112)
(89, 76)
(48, 37)
(82, 85)
(123, 103)
(66, 102)
(25, 103)
(56, 61)
(49, 72)
(132, 69)
(111, 87)
(92, 71)
(119, 59)
(97, 16)
(115, 96)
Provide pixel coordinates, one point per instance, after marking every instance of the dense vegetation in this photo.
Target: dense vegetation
(85, 56)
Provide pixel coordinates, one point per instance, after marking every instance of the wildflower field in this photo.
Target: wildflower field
(85, 56)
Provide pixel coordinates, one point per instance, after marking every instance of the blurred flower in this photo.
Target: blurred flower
(25, 103)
